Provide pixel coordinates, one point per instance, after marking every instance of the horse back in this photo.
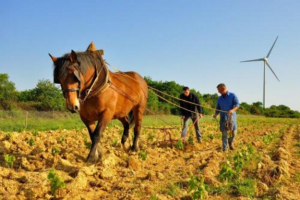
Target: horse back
(131, 83)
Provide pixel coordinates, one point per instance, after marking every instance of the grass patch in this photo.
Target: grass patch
(244, 187)
(297, 177)
(173, 190)
(297, 144)
(218, 190)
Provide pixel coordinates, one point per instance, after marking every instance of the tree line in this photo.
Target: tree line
(46, 96)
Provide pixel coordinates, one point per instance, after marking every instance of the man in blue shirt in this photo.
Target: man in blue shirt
(228, 102)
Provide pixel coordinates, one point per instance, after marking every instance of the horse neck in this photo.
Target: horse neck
(95, 77)
(89, 77)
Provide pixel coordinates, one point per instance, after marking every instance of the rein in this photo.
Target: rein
(91, 92)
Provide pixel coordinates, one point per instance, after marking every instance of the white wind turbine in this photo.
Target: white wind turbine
(266, 62)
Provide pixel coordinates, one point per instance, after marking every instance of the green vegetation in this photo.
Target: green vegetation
(46, 96)
(87, 144)
(31, 142)
(268, 138)
(197, 188)
(9, 160)
(143, 155)
(191, 139)
(8, 136)
(232, 174)
(179, 145)
(114, 143)
(61, 139)
(8, 93)
(211, 136)
(55, 150)
(172, 190)
(35, 133)
(297, 177)
(244, 187)
(226, 173)
(56, 182)
(153, 197)
(151, 137)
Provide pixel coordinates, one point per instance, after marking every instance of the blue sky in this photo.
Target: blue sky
(195, 43)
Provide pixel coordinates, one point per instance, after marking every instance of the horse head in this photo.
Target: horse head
(75, 72)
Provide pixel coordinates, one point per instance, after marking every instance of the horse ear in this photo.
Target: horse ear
(101, 52)
(91, 47)
(73, 56)
(53, 58)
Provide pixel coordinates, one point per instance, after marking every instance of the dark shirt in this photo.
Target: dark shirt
(195, 108)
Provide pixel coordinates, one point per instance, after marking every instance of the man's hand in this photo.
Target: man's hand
(214, 115)
(200, 116)
(230, 112)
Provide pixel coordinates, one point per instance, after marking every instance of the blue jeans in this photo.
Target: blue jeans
(229, 139)
(196, 125)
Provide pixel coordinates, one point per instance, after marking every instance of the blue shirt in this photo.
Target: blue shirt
(226, 103)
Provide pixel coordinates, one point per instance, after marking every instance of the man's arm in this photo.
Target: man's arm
(236, 105)
(233, 110)
(199, 108)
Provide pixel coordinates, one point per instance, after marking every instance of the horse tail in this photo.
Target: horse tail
(130, 118)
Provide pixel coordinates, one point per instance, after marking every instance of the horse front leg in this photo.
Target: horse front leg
(95, 154)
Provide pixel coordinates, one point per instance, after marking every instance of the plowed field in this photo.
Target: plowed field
(264, 165)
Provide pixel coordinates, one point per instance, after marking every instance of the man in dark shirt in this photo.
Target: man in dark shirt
(190, 111)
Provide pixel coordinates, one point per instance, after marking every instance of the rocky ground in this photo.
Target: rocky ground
(161, 170)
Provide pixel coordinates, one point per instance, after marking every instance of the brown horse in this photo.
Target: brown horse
(100, 95)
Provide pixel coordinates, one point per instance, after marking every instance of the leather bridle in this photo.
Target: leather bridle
(78, 89)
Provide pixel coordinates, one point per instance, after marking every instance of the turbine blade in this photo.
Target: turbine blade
(261, 59)
(272, 71)
(272, 48)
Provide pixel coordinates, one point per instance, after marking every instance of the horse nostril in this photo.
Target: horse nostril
(76, 108)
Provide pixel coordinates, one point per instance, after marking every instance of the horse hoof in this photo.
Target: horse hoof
(134, 148)
(93, 159)
(125, 149)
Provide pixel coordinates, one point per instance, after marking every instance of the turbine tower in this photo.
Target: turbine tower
(266, 62)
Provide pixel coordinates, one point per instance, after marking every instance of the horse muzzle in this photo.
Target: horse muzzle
(74, 108)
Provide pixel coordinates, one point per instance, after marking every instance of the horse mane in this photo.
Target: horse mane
(86, 60)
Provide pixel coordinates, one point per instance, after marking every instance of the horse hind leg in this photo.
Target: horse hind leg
(126, 125)
(138, 115)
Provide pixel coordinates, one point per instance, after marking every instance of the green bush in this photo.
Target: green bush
(8, 93)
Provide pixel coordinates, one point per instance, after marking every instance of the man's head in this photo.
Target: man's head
(186, 91)
(222, 88)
